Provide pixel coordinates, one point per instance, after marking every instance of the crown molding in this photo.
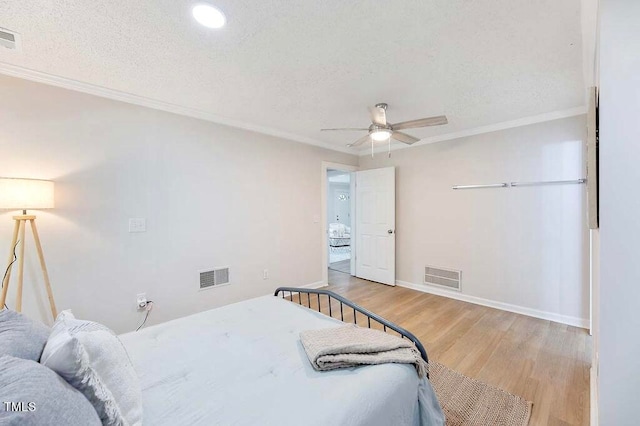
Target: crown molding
(92, 89)
(550, 116)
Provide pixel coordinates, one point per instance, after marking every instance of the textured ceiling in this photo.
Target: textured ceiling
(298, 66)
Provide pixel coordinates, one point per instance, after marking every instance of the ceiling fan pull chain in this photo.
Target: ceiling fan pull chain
(389, 146)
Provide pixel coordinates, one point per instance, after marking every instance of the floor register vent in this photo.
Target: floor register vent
(449, 278)
(214, 277)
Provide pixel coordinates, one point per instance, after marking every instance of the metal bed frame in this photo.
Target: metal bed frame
(386, 324)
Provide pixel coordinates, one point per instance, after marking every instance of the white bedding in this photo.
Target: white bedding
(243, 364)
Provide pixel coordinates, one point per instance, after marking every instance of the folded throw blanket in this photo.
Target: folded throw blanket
(350, 346)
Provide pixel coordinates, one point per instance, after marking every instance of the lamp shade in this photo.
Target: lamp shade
(23, 194)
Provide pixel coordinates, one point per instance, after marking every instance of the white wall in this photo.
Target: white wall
(212, 196)
(619, 347)
(201, 187)
(524, 247)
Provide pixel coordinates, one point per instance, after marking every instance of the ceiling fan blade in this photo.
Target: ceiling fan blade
(404, 138)
(378, 116)
(422, 122)
(359, 141)
(345, 128)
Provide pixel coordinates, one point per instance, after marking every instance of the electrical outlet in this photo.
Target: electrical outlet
(265, 274)
(141, 301)
(137, 225)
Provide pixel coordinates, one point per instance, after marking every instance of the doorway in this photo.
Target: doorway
(329, 216)
(359, 223)
(339, 216)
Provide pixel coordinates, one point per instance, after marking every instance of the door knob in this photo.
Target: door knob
(390, 231)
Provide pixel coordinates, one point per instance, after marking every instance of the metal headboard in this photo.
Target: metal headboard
(386, 324)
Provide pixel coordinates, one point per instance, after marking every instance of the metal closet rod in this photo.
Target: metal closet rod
(514, 184)
(490, 185)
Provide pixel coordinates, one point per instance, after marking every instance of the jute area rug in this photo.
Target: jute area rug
(467, 401)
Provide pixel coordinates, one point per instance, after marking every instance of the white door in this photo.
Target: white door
(376, 225)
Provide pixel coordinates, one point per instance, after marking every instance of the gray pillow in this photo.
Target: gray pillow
(40, 396)
(20, 336)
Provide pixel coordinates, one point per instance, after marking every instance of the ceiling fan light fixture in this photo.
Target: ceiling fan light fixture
(380, 135)
(381, 131)
(209, 16)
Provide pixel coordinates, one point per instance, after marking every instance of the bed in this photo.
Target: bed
(243, 364)
(339, 237)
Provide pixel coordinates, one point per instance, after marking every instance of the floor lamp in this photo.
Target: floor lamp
(24, 194)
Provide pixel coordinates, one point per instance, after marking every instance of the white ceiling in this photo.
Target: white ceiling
(293, 67)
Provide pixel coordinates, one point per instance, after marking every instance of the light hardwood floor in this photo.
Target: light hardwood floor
(341, 266)
(545, 362)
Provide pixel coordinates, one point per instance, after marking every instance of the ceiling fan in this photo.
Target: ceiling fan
(381, 130)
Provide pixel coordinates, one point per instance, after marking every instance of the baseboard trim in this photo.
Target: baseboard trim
(551, 316)
(317, 284)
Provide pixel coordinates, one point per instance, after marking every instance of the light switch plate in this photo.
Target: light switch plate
(137, 225)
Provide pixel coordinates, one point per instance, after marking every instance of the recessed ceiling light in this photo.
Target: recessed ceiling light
(209, 16)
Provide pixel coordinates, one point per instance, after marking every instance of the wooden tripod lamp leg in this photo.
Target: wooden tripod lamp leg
(5, 282)
(43, 266)
(20, 267)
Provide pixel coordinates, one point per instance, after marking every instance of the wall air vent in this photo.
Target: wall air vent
(214, 278)
(449, 278)
(10, 40)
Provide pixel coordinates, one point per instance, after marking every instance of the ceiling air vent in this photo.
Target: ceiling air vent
(449, 278)
(214, 277)
(9, 39)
